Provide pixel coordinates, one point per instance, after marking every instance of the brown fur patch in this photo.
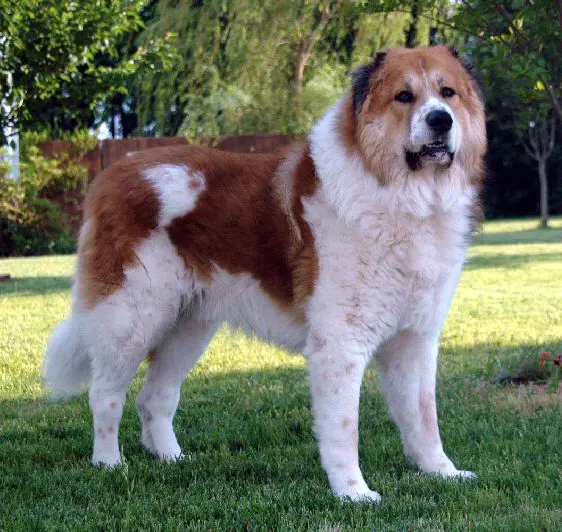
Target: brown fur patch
(303, 254)
(238, 223)
(120, 211)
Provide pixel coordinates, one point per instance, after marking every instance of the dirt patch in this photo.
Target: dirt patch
(525, 399)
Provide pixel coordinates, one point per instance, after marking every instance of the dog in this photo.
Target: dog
(344, 247)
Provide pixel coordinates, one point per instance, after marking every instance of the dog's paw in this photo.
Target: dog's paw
(458, 474)
(465, 475)
(106, 461)
(168, 451)
(363, 496)
(171, 455)
(358, 492)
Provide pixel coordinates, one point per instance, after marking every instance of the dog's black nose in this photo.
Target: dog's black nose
(440, 121)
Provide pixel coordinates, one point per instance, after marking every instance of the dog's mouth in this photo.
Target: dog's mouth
(437, 152)
(434, 150)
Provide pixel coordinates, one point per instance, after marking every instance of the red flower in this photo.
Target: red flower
(557, 360)
(545, 356)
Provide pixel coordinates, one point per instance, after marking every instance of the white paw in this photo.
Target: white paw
(171, 455)
(170, 452)
(359, 495)
(465, 474)
(457, 474)
(367, 496)
(107, 461)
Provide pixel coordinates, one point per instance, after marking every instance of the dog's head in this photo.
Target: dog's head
(418, 109)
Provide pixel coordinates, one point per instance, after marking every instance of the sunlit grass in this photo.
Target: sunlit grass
(245, 416)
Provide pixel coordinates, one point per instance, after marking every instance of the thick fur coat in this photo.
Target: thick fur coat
(345, 247)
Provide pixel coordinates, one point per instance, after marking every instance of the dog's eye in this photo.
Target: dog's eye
(447, 92)
(404, 97)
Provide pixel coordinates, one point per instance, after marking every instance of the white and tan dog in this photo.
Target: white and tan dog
(346, 247)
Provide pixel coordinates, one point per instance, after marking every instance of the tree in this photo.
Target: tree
(309, 32)
(412, 31)
(254, 66)
(529, 31)
(540, 146)
(61, 61)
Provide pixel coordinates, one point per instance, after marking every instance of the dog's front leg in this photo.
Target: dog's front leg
(408, 366)
(336, 373)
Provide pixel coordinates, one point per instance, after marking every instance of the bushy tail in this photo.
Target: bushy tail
(66, 369)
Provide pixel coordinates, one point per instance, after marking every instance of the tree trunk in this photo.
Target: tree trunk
(412, 31)
(433, 40)
(348, 44)
(299, 72)
(543, 193)
(112, 121)
(306, 45)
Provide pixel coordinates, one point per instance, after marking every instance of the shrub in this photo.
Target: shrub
(30, 222)
(532, 368)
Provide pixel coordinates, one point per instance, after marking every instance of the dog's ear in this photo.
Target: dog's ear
(454, 52)
(471, 71)
(362, 80)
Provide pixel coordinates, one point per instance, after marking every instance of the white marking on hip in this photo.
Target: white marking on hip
(178, 189)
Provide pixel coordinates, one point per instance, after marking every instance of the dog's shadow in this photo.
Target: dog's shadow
(28, 286)
(255, 424)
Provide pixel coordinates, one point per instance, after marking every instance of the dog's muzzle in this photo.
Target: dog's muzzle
(436, 128)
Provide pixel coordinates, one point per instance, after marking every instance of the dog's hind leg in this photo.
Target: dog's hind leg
(113, 368)
(408, 367)
(121, 332)
(158, 400)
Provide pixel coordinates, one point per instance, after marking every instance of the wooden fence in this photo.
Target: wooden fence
(108, 151)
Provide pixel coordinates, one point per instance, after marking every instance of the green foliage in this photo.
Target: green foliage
(216, 67)
(4, 166)
(517, 48)
(31, 223)
(521, 40)
(61, 60)
(254, 67)
(199, 68)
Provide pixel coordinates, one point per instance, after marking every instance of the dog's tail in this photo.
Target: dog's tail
(66, 369)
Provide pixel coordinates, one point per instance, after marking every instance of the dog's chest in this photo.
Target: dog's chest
(431, 260)
(391, 274)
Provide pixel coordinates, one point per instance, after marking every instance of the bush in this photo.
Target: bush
(30, 222)
(532, 368)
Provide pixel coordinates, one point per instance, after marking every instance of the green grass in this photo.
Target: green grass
(245, 418)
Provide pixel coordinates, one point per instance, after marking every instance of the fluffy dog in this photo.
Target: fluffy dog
(345, 247)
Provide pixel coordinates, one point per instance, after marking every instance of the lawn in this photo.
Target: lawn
(245, 420)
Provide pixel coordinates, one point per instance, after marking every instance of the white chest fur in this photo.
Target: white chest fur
(390, 256)
(385, 275)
